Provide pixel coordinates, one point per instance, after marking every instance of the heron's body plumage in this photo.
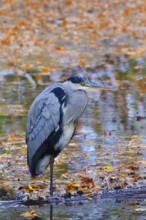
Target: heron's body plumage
(51, 123)
(52, 120)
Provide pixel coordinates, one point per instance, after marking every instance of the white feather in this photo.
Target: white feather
(42, 164)
(64, 140)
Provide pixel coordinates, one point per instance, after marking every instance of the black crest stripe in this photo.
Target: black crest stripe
(60, 94)
(75, 79)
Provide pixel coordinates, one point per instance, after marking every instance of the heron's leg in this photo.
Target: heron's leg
(51, 211)
(51, 175)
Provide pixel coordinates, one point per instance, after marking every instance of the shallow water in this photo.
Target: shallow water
(108, 209)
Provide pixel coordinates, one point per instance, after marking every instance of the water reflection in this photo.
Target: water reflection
(107, 111)
(51, 212)
(108, 209)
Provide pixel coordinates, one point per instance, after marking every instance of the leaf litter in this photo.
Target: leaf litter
(91, 180)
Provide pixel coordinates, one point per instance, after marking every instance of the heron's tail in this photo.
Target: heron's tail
(37, 166)
(42, 164)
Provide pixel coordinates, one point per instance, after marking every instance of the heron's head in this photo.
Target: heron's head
(78, 82)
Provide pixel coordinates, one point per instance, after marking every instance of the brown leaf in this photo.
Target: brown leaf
(131, 167)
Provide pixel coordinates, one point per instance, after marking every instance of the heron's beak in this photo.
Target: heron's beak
(94, 86)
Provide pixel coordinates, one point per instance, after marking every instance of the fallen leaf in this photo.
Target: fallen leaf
(108, 169)
(30, 214)
(131, 167)
(44, 69)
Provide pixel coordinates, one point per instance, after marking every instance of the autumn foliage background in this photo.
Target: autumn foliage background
(50, 35)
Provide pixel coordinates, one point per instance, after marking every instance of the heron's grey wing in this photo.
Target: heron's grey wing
(43, 119)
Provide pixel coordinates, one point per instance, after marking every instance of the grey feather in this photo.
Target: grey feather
(42, 120)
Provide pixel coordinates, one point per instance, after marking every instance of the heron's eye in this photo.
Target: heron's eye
(82, 84)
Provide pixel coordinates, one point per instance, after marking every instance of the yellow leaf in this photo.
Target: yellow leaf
(31, 214)
(108, 168)
(82, 62)
(85, 155)
(123, 175)
(97, 172)
(96, 188)
(25, 66)
(30, 187)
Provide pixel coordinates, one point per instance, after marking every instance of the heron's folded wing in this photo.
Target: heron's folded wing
(43, 119)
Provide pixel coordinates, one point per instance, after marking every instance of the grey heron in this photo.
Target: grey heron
(52, 119)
